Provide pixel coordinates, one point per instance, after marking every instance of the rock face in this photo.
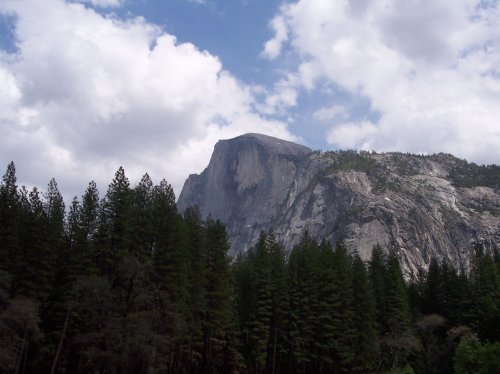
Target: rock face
(424, 207)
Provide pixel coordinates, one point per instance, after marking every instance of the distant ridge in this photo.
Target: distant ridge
(422, 206)
(278, 146)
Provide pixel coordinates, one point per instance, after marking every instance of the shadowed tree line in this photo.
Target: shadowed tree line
(125, 284)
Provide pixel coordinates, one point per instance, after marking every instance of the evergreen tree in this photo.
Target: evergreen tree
(168, 250)
(366, 340)
(452, 292)
(377, 271)
(9, 221)
(196, 283)
(170, 260)
(72, 227)
(432, 297)
(142, 219)
(20, 336)
(302, 317)
(37, 276)
(54, 207)
(220, 353)
(89, 214)
(81, 229)
(485, 285)
(325, 330)
(54, 237)
(279, 297)
(259, 325)
(472, 356)
(343, 316)
(262, 303)
(399, 341)
(245, 296)
(128, 285)
(115, 224)
(54, 312)
(416, 291)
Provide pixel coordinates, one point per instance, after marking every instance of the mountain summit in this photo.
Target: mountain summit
(422, 206)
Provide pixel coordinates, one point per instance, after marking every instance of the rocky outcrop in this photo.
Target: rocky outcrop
(424, 207)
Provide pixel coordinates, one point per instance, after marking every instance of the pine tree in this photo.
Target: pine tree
(54, 312)
(343, 312)
(142, 219)
(472, 356)
(416, 291)
(170, 265)
(454, 288)
(55, 239)
(37, 277)
(196, 284)
(378, 283)
(20, 336)
(432, 297)
(9, 221)
(245, 295)
(366, 340)
(327, 299)
(54, 207)
(89, 213)
(302, 317)
(81, 229)
(115, 224)
(485, 286)
(279, 297)
(399, 340)
(220, 353)
(72, 227)
(170, 258)
(260, 323)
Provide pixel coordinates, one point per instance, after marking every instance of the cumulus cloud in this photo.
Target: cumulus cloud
(330, 113)
(353, 135)
(85, 93)
(272, 48)
(103, 3)
(430, 70)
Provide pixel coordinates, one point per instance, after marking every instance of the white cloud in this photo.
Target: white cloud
(272, 48)
(429, 69)
(353, 135)
(103, 3)
(330, 113)
(85, 93)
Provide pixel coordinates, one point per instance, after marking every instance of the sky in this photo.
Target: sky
(87, 86)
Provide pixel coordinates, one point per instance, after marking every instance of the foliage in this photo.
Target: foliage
(472, 356)
(352, 160)
(128, 285)
(464, 174)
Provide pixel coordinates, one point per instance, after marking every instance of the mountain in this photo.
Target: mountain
(422, 206)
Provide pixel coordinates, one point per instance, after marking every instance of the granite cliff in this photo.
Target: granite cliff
(423, 206)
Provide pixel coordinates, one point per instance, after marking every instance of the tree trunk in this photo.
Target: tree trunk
(23, 349)
(61, 340)
(274, 352)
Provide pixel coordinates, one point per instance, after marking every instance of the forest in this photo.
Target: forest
(124, 283)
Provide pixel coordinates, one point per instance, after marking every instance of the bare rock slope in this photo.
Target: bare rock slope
(423, 206)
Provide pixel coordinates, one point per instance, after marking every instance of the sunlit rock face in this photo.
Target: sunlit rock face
(423, 207)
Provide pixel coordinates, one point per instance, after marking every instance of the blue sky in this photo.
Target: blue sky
(236, 31)
(89, 85)
(233, 30)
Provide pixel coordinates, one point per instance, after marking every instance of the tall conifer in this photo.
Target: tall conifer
(9, 221)
(366, 340)
(343, 312)
(219, 348)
